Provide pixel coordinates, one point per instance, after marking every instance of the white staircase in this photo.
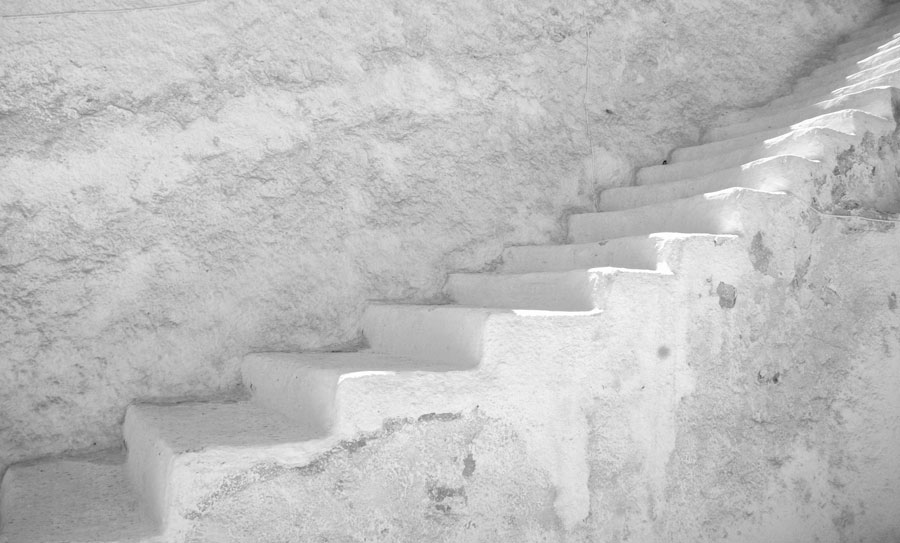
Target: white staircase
(552, 321)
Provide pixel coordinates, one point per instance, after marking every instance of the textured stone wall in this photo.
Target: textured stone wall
(181, 186)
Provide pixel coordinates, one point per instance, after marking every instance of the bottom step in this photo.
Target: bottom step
(71, 500)
(180, 454)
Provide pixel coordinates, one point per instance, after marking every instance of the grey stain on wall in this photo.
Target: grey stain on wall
(727, 295)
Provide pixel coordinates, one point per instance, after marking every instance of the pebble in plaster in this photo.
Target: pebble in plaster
(727, 295)
(759, 253)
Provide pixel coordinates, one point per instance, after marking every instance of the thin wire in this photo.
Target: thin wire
(103, 11)
(587, 82)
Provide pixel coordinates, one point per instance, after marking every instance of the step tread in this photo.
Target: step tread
(768, 173)
(574, 272)
(869, 98)
(806, 88)
(697, 152)
(811, 96)
(72, 500)
(719, 212)
(205, 426)
(808, 138)
(568, 290)
(847, 121)
(349, 361)
(632, 252)
(649, 238)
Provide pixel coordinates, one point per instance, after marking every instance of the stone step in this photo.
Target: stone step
(179, 455)
(369, 401)
(873, 38)
(848, 121)
(715, 148)
(815, 138)
(869, 59)
(499, 338)
(303, 386)
(654, 252)
(873, 71)
(571, 290)
(877, 78)
(779, 173)
(887, 79)
(836, 74)
(638, 252)
(883, 22)
(730, 211)
(877, 101)
(833, 74)
(822, 79)
(70, 500)
(316, 385)
(879, 30)
(884, 75)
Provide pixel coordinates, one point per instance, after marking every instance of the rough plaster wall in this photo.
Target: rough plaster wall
(180, 187)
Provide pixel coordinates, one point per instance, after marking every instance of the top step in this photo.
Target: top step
(175, 452)
(877, 101)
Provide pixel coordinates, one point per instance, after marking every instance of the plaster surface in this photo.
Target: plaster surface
(182, 186)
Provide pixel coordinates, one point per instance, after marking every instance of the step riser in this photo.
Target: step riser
(363, 404)
(302, 393)
(436, 334)
(517, 340)
(555, 291)
(148, 466)
(576, 290)
(636, 253)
